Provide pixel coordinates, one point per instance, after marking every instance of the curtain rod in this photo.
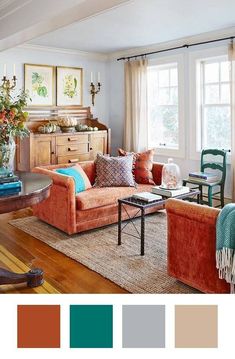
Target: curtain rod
(175, 48)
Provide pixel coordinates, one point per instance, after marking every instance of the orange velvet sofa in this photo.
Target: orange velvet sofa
(93, 208)
(191, 246)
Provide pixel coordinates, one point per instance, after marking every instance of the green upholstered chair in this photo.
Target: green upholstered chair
(219, 163)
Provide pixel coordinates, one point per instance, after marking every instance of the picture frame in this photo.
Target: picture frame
(39, 81)
(69, 86)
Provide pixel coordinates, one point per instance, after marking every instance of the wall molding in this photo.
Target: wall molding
(173, 43)
(88, 55)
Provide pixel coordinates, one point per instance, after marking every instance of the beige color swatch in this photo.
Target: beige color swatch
(196, 326)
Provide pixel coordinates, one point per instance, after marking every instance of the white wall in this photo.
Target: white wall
(19, 56)
(116, 69)
(109, 104)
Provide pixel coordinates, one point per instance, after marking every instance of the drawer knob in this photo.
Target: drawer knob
(73, 161)
(52, 152)
(72, 149)
(70, 139)
(91, 148)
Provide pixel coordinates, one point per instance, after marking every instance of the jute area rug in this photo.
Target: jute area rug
(123, 265)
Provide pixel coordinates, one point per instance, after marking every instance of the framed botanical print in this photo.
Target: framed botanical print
(39, 81)
(68, 86)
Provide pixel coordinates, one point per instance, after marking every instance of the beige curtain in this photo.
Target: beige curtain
(231, 57)
(136, 128)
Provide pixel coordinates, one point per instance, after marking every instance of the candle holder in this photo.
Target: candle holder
(94, 91)
(8, 85)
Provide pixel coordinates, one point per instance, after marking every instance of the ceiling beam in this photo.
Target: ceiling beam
(78, 12)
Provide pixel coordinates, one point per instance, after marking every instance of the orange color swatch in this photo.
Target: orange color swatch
(38, 326)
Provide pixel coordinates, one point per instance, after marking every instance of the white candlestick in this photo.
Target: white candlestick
(14, 69)
(91, 77)
(5, 70)
(98, 76)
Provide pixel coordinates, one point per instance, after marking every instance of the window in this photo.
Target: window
(163, 109)
(214, 101)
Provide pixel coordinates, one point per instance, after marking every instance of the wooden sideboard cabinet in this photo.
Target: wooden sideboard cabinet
(58, 148)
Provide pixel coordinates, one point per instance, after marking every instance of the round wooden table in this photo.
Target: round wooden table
(35, 188)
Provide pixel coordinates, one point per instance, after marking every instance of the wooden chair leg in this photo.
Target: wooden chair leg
(210, 197)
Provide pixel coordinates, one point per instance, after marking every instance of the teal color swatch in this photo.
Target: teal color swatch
(91, 326)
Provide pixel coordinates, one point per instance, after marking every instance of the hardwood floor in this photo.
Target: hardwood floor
(63, 273)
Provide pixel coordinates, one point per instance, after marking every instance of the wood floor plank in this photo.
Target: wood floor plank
(61, 272)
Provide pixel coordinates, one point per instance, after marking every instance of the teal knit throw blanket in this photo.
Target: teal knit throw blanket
(225, 244)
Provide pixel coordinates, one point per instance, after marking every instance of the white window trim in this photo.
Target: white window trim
(194, 95)
(179, 59)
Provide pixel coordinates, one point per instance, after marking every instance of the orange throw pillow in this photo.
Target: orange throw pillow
(142, 165)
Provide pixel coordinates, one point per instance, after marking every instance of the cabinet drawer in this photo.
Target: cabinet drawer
(73, 158)
(72, 149)
(62, 140)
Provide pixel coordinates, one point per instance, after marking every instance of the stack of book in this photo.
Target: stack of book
(203, 177)
(170, 192)
(147, 197)
(10, 185)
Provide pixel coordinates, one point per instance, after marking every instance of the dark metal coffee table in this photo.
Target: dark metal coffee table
(142, 206)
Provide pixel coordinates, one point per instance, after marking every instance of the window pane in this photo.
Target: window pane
(163, 106)
(173, 77)
(174, 96)
(225, 93)
(163, 96)
(217, 127)
(211, 72)
(164, 126)
(225, 66)
(211, 94)
(163, 78)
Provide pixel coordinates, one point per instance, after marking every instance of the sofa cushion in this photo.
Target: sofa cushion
(114, 171)
(142, 165)
(81, 180)
(98, 197)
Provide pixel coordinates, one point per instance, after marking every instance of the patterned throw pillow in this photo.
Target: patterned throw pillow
(114, 171)
(142, 165)
(81, 180)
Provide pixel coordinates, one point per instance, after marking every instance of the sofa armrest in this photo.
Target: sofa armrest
(192, 211)
(157, 172)
(59, 209)
(57, 178)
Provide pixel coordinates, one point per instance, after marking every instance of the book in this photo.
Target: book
(11, 185)
(147, 196)
(10, 191)
(204, 175)
(201, 180)
(170, 192)
(8, 179)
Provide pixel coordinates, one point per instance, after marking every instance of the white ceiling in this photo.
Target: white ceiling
(140, 23)
(23, 20)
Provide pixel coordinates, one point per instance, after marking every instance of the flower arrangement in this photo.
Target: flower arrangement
(12, 116)
(12, 124)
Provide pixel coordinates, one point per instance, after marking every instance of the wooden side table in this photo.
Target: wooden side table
(35, 188)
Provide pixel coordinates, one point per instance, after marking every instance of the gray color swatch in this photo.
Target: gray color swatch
(143, 326)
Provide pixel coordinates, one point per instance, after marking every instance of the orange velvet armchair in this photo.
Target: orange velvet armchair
(191, 246)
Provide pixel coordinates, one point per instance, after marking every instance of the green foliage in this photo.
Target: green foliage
(12, 115)
(42, 91)
(36, 78)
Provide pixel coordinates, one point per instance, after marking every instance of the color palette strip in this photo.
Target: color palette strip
(143, 326)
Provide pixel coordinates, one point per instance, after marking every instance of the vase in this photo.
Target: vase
(7, 156)
(171, 177)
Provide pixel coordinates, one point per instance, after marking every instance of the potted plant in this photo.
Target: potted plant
(12, 125)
